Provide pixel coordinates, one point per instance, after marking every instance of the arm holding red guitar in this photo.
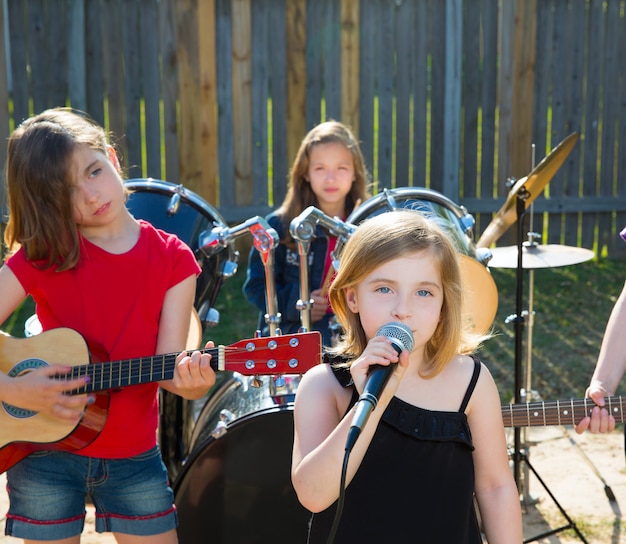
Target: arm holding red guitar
(609, 370)
(193, 375)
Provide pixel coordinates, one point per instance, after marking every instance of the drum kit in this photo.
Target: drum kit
(229, 456)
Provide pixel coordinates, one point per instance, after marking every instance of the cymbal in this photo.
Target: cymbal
(532, 185)
(539, 256)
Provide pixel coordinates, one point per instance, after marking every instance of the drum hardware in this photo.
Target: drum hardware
(525, 190)
(302, 229)
(264, 239)
(174, 203)
(522, 393)
(209, 316)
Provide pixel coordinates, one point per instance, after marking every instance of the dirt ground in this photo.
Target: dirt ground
(582, 472)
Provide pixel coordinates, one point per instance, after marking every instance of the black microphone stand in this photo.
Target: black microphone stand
(519, 455)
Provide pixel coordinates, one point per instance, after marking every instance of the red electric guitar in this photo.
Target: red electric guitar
(23, 432)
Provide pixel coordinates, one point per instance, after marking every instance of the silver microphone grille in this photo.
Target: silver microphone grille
(399, 333)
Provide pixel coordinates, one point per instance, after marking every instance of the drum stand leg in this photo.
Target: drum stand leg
(520, 450)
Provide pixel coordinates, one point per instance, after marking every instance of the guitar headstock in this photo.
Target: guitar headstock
(283, 354)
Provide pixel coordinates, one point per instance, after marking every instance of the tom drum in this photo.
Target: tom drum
(480, 301)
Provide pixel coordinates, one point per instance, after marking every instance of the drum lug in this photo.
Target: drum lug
(209, 316)
(174, 203)
(483, 255)
(226, 417)
(256, 381)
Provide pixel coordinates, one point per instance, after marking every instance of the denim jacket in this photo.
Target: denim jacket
(287, 281)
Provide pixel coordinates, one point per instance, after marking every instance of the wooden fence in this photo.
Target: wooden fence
(457, 96)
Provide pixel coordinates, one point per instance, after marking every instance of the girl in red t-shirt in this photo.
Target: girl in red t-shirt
(128, 289)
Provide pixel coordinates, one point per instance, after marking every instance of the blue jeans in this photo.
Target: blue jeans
(47, 493)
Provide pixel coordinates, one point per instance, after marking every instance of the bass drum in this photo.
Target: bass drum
(235, 487)
(480, 301)
(177, 210)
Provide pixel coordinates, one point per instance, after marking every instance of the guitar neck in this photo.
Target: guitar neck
(116, 374)
(558, 412)
(284, 354)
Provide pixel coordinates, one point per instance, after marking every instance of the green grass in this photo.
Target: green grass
(571, 306)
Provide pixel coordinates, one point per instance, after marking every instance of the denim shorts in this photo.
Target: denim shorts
(48, 490)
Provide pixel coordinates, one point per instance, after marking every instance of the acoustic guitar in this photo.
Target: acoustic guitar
(23, 432)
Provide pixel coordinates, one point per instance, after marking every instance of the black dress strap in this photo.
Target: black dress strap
(472, 384)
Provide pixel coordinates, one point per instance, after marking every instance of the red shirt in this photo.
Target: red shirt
(114, 302)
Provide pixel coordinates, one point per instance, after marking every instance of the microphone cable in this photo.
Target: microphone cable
(341, 498)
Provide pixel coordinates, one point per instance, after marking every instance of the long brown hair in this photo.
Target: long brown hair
(381, 239)
(40, 182)
(299, 193)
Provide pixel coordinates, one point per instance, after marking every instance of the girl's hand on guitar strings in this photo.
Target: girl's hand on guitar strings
(37, 390)
(193, 375)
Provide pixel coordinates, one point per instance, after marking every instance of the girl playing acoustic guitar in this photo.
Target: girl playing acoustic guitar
(128, 289)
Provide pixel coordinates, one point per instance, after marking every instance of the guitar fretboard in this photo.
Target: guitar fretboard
(558, 412)
(116, 374)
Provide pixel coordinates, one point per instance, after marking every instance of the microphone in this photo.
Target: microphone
(401, 338)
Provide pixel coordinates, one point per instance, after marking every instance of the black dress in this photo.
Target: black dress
(416, 481)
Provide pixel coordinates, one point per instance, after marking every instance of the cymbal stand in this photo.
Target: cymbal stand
(520, 455)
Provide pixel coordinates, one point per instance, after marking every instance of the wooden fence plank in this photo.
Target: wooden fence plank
(470, 89)
(94, 82)
(575, 93)
(403, 44)
(18, 54)
(592, 115)
(5, 125)
(188, 95)
(111, 31)
(76, 69)
(452, 99)
(277, 45)
(332, 59)
(488, 99)
(367, 86)
(297, 71)
(420, 76)
(385, 76)
(209, 155)
(223, 32)
(260, 75)
(311, 60)
(350, 68)
(437, 97)
(132, 91)
(150, 87)
(242, 100)
(169, 88)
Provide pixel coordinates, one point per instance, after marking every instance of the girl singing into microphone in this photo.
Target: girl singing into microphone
(436, 438)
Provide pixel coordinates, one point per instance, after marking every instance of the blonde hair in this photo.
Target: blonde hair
(381, 239)
(40, 183)
(299, 193)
